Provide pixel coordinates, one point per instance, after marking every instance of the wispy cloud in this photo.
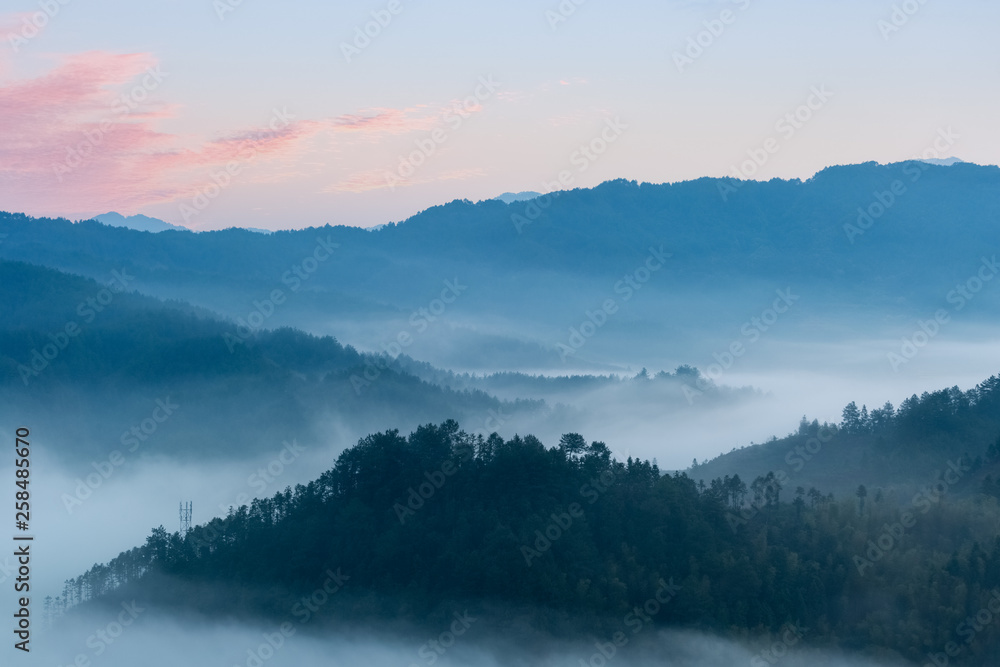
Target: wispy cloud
(366, 181)
(386, 121)
(82, 137)
(85, 135)
(379, 179)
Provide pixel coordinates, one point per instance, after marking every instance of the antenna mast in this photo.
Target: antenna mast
(186, 510)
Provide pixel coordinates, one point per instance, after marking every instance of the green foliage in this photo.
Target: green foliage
(406, 532)
(904, 447)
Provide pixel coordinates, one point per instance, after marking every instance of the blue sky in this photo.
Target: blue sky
(257, 118)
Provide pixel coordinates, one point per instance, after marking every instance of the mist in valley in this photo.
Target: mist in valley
(726, 394)
(763, 393)
(156, 639)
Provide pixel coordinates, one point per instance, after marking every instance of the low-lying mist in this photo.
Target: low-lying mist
(153, 639)
(71, 495)
(673, 427)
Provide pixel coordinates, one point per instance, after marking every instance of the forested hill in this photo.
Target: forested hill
(105, 355)
(566, 537)
(813, 233)
(893, 449)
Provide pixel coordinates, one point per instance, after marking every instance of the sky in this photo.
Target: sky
(277, 115)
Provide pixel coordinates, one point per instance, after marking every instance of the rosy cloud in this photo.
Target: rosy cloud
(380, 179)
(82, 138)
(404, 121)
(19, 28)
(374, 179)
(386, 121)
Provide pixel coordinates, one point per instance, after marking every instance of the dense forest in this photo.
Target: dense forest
(895, 448)
(577, 540)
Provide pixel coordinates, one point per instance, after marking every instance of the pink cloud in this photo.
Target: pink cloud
(420, 118)
(82, 138)
(17, 29)
(388, 121)
(380, 179)
(71, 115)
(462, 174)
(366, 181)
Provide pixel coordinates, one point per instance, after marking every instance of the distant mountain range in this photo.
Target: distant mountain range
(140, 223)
(511, 197)
(944, 162)
(529, 272)
(104, 355)
(111, 332)
(144, 223)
